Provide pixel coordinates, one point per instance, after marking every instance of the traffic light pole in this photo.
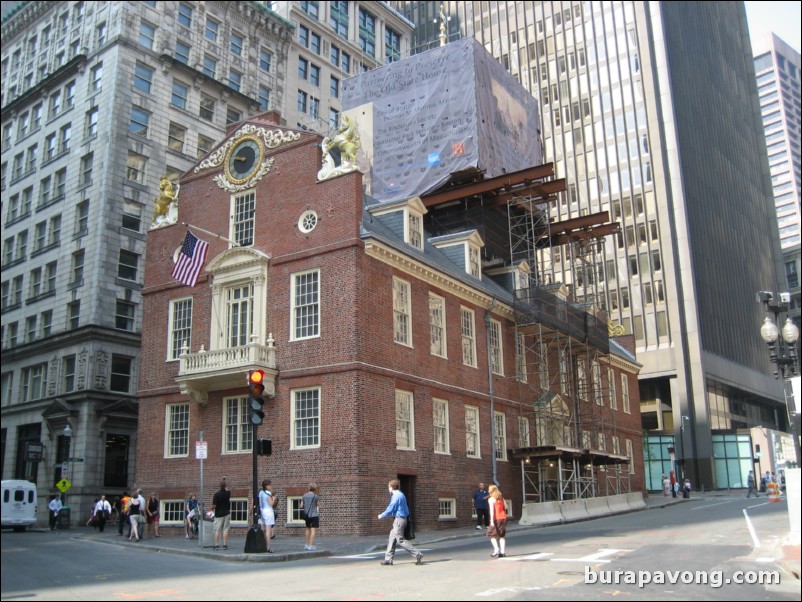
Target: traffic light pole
(255, 477)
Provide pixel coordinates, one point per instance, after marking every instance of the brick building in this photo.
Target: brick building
(392, 352)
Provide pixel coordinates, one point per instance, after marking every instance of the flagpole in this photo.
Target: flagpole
(211, 234)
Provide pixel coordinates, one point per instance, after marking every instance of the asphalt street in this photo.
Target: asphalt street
(713, 539)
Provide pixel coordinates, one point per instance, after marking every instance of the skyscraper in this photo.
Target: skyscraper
(778, 82)
(101, 100)
(650, 112)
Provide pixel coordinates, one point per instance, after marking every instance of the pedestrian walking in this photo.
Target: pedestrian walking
(102, 513)
(54, 506)
(398, 509)
(497, 531)
(310, 507)
(750, 483)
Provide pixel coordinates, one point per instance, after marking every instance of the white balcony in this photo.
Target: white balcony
(228, 368)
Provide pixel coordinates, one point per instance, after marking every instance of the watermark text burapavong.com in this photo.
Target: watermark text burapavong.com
(714, 579)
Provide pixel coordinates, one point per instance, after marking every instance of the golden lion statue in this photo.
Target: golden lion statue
(166, 203)
(339, 150)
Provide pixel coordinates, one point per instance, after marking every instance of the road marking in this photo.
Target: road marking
(373, 555)
(755, 540)
(538, 556)
(757, 505)
(591, 558)
(706, 506)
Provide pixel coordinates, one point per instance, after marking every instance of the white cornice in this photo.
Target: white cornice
(436, 278)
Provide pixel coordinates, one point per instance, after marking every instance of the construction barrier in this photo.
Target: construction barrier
(618, 503)
(635, 501)
(597, 506)
(545, 513)
(774, 491)
(574, 510)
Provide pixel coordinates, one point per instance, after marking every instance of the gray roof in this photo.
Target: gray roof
(373, 227)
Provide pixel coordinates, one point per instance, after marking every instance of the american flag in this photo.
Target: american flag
(190, 260)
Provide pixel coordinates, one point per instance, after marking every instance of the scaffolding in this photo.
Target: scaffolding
(564, 338)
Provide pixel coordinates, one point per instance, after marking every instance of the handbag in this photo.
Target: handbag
(409, 529)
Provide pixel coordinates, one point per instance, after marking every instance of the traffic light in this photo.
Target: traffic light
(256, 388)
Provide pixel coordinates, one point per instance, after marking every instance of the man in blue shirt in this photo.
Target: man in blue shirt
(398, 509)
(480, 504)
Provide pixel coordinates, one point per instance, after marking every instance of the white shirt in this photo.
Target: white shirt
(55, 505)
(102, 505)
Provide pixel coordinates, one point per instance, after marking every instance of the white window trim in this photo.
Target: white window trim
(500, 433)
(478, 454)
(496, 332)
(611, 379)
(409, 215)
(520, 358)
(162, 513)
(240, 523)
(407, 312)
(232, 223)
(293, 279)
(410, 397)
(289, 515)
(524, 428)
(244, 406)
(293, 442)
(630, 456)
(474, 363)
(167, 416)
(170, 319)
(625, 393)
(447, 451)
(453, 514)
(442, 302)
(232, 268)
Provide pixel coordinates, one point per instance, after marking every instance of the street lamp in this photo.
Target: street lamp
(68, 438)
(782, 350)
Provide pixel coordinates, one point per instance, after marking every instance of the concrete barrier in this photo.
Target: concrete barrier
(597, 506)
(544, 513)
(574, 510)
(618, 503)
(635, 501)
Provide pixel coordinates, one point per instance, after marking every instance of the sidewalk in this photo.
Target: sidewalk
(290, 547)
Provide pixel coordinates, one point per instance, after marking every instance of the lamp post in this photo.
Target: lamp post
(66, 475)
(782, 351)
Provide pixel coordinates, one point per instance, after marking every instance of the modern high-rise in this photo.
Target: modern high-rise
(778, 83)
(650, 112)
(100, 101)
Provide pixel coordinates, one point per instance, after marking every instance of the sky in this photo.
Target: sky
(782, 18)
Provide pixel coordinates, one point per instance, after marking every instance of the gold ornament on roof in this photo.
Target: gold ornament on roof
(339, 150)
(166, 211)
(615, 330)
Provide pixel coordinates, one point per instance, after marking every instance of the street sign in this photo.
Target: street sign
(34, 451)
(63, 485)
(201, 450)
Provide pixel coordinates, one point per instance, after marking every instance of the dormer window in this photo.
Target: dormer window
(415, 229)
(474, 262)
(405, 218)
(464, 249)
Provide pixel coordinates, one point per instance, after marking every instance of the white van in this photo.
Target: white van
(19, 504)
